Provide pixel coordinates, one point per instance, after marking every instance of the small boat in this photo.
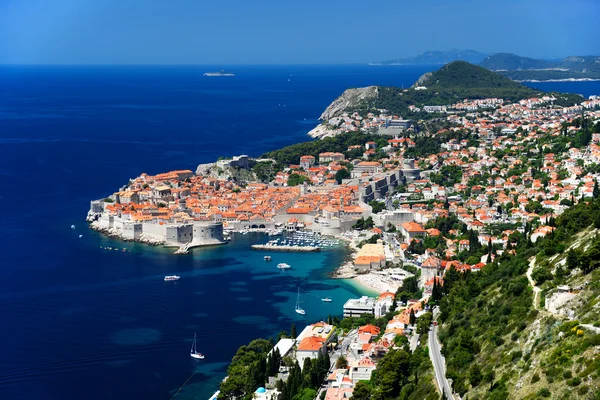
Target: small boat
(283, 266)
(267, 258)
(171, 278)
(72, 226)
(194, 353)
(326, 300)
(80, 236)
(298, 309)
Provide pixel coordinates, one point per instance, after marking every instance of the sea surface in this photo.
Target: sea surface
(80, 321)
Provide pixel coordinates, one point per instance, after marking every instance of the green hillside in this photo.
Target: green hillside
(499, 340)
(451, 83)
(473, 81)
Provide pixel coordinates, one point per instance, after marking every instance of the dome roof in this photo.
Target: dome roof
(261, 390)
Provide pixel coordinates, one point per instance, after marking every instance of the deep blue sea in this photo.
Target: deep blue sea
(78, 321)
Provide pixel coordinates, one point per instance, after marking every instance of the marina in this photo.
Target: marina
(298, 241)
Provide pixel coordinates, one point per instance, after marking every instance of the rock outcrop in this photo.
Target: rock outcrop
(421, 81)
(322, 131)
(349, 99)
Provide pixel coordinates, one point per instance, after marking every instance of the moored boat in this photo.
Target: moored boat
(298, 309)
(267, 258)
(193, 352)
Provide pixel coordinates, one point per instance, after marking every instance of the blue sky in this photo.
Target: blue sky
(287, 31)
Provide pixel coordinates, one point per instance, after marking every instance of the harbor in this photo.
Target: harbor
(274, 247)
(301, 241)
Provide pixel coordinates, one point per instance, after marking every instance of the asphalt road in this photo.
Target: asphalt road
(438, 362)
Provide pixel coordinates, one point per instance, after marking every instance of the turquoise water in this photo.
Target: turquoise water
(79, 321)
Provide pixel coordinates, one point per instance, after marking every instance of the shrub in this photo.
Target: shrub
(574, 382)
(516, 355)
(583, 390)
(535, 378)
(544, 392)
(567, 374)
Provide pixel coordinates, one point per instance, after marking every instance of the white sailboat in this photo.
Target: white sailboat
(193, 352)
(298, 309)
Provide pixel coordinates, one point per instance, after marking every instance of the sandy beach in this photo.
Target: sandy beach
(377, 282)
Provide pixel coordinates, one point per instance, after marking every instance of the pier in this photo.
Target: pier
(284, 248)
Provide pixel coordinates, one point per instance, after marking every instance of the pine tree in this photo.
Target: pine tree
(293, 331)
(412, 319)
(596, 191)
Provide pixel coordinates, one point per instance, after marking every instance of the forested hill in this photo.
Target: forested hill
(473, 81)
(453, 82)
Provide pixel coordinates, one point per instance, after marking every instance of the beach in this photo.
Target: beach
(376, 282)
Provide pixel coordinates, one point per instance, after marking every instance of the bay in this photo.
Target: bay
(80, 321)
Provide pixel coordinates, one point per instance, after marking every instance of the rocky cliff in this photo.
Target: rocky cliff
(422, 79)
(351, 98)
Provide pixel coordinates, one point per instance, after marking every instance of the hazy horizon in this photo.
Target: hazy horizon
(134, 32)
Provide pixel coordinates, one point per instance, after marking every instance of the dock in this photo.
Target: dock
(284, 248)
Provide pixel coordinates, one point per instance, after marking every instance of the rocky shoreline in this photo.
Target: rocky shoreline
(321, 131)
(117, 234)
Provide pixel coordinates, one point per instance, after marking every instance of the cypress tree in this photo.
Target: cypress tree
(293, 331)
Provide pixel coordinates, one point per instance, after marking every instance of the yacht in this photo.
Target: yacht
(171, 278)
(220, 73)
(283, 266)
(326, 300)
(267, 258)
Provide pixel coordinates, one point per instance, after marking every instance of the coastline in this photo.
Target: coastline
(373, 283)
(559, 80)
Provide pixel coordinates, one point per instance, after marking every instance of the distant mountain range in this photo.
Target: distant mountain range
(524, 68)
(438, 57)
(513, 66)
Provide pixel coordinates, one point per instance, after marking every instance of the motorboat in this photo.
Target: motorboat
(283, 266)
(172, 278)
(326, 300)
(267, 258)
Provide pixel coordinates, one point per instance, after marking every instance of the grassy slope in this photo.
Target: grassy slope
(533, 353)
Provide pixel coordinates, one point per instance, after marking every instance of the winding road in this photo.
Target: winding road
(437, 359)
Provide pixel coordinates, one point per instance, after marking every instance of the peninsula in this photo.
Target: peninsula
(479, 227)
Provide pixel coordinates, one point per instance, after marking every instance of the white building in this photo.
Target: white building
(361, 370)
(358, 307)
(384, 304)
(312, 340)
